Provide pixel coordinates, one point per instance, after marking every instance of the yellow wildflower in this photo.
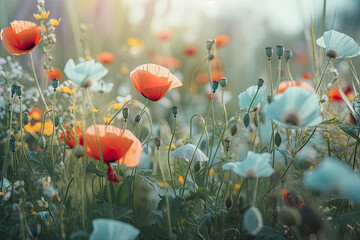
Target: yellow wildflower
(73, 107)
(181, 179)
(135, 42)
(211, 172)
(78, 123)
(66, 90)
(36, 16)
(48, 127)
(3, 193)
(311, 167)
(32, 213)
(124, 70)
(55, 22)
(237, 186)
(107, 120)
(95, 110)
(46, 185)
(172, 146)
(162, 184)
(45, 15)
(87, 58)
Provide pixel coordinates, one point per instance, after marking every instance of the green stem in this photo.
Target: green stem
(166, 193)
(221, 183)
(169, 151)
(37, 82)
(279, 75)
(289, 72)
(255, 192)
(141, 114)
(252, 100)
(323, 74)
(270, 73)
(53, 130)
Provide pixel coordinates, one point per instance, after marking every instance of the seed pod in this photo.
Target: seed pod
(209, 44)
(246, 119)
(79, 151)
(12, 144)
(157, 142)
(56, 121)
(215, 85)
(288, 54)
(211, 57)
(137, 118)
(269, 52)
(26, 118)
(18, 91)
(227, 143)
(233, 130)
(260, 82)
(42, 142)
(55, 83)
(125, 113)
(223, 82)
(229, 202)
(279, 50)
(13, 89)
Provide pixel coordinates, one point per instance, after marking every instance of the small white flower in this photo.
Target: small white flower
(43, 203)
(246, 97)
(187, 152)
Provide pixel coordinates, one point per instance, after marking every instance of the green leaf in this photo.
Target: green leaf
(351, 131)
(331, 121)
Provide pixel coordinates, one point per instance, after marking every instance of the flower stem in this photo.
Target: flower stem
(53, 130)
(169, 151)
(252, 100)
(323, 74)
(166, 193)
(37, 82)
(279, 75)
(270, 73)
(289, 72)
(141, 114)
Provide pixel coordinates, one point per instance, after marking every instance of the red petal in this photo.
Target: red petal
(111, 176)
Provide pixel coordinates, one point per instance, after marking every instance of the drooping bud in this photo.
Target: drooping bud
(42, 142)
(55, 83)
(79, 151)
(18, 91)
(137, 118)
(223, 82)
(174, 110)
(26, 118)
(13, 89)
(12, 144)
(277, 139)
(157, 142)
(269, 52)
(215, 85)
(233, 130)
(260, 82)
(211, 57)
(209, 44)
(246, 119)
(227, 143)
(288, 54)
(125, 113)
(279, 50)
(197, 166)
(269, 99)
(56, 121)
(229, 202)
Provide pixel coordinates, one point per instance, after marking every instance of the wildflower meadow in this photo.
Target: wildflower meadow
(174, 119)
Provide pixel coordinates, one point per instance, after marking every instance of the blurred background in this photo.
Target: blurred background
(172, 33)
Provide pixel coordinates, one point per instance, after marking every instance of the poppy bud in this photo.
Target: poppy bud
(277, 139)
(157, 141)
(211, 57)
(269, 52)
(79, 151)
(13, 89)
(229, 202)
(287, 54)
(26, 118)
(223, 81)
(137, 118)
(246, 119)
(174, 110)
(227, 143)
(42, 142)
(260, 82)
(56, 121)
(233, 130)
(18, 90)
(215, 85)
(209, 44)
(279, 50)
(12, 144)
(269, 99)
(197, 166)
(55, 83)
(125, 113)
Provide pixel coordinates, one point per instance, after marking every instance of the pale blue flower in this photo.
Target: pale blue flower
(112, 230)
(297, 107)
(102, 86)
(246, 97)
(342, 44)
(253, 221)
(255, 165)
(333, 175)
(85, 72)
(187, 152)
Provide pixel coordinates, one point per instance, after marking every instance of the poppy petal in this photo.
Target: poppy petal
(110, 174)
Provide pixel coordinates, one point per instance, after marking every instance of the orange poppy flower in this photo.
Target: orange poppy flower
(221, 40)
(153, 81)
(291, 199)
(168, 62)
(55, 73)
(117, 145)
(190, 50)
(106, 58)
(285, 84)
(70, 136)
(204, 77)
(306, 75)
(334, 94)
(164, 35)
(21, 37)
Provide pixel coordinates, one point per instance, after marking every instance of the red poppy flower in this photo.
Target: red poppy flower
(306, 75)
(117, 145)
(55, 73)
(153, 81)
(291, 199)
(221, 40)
(334, 94)
(285, 84)
(106, 58)
(70, 136)
(190, 51)
(21, 37)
